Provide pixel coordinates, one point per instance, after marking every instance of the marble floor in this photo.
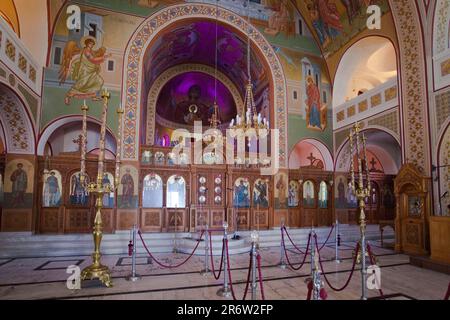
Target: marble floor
(45, 278)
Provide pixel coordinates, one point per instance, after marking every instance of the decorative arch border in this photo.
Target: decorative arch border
(171, 73)
(58, 123)
(16, 123)
(149, 29)
(413, 85)
(323, 150)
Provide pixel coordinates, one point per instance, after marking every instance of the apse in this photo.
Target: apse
(177, 98)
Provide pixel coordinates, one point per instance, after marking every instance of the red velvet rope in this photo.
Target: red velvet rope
(328, 238)
(212, 259)
(447, 295)
(164, 265)
(229, 274)
(372, 262)
(304, 256)
(258, 258)
(283, 229)
(351, 273)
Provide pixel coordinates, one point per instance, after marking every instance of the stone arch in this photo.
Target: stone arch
(16, 122)
(149, 29)
(171, 73)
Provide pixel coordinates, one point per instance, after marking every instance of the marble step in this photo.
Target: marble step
(28, 245)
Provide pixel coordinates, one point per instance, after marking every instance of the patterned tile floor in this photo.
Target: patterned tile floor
(45, 278)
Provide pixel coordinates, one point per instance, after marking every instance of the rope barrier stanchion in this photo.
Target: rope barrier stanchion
(212, 259)
(254, 237)
(261, 286)
(282, 263)
(133, 276)
(206, 271)
(351, 272)
(168, 266)
(313, 251)
(225, 290)
(336, 240)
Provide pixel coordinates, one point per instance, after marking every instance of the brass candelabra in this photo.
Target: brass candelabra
(98, 188)
(361, 191)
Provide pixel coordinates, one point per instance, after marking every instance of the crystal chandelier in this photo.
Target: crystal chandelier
(251, 119)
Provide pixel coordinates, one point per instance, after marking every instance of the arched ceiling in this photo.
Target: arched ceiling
(195, 42)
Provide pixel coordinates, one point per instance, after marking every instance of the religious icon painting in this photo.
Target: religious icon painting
(241, 193)
(146, 157)
(293, 193)
(176, 192)
(128, 188)
(52, 189)
(171, 160)
(261, 194)
(323, 195)
(340, 192)
(308, 194)
(281, 191)
(108, 197)
(159, 158)
(19, 182)
(78, 192)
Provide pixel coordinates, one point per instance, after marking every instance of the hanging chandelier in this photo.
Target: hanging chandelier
(250, 119)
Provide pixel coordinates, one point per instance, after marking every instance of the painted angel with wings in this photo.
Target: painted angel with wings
(83, 66)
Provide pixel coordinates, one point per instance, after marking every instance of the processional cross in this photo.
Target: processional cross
(79, 142)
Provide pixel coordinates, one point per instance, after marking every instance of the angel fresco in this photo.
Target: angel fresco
(84, 69)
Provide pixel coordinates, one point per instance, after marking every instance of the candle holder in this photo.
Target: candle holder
(361, 191)
(96, 270)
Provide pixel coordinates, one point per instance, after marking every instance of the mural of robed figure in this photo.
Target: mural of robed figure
(127, 190)
(19, 181)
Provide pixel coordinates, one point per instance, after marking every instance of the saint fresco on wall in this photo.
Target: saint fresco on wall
(19, 182)
(293, 193)
(78, 192)
(127, 191)
(308, 194)
(281, 191)
(52, 190)
(241, 193)
(108, 198)
(340, 192)
(261, 194)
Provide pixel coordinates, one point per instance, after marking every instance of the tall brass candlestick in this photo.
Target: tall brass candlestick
(96, 270)
(361, 193)
(85, 109)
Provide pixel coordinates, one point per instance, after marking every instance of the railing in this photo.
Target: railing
(376, 100)
(15, 55)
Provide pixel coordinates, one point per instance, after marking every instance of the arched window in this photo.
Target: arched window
(308, 194)
(52, 189)
(152, 191)
(176, 192)
(323, 195)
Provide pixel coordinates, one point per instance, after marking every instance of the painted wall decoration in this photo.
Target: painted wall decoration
(241, 194)
(281, 191)
(83, 65)
(261, 194)
(152, 193)
(340, 192)
(176, 192)
(308, 194)
(52, 189)
(294, 189)
(19, 183)
(78, 193)
(108, 198)
(335, 23)
(127, 195)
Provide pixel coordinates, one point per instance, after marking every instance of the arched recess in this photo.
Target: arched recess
(16, 122)
(73, 126)
(300, 155)
(171, 73)
(368, 63)
(148, 31)
(441, 43)
(384, 147)
(444, 174)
